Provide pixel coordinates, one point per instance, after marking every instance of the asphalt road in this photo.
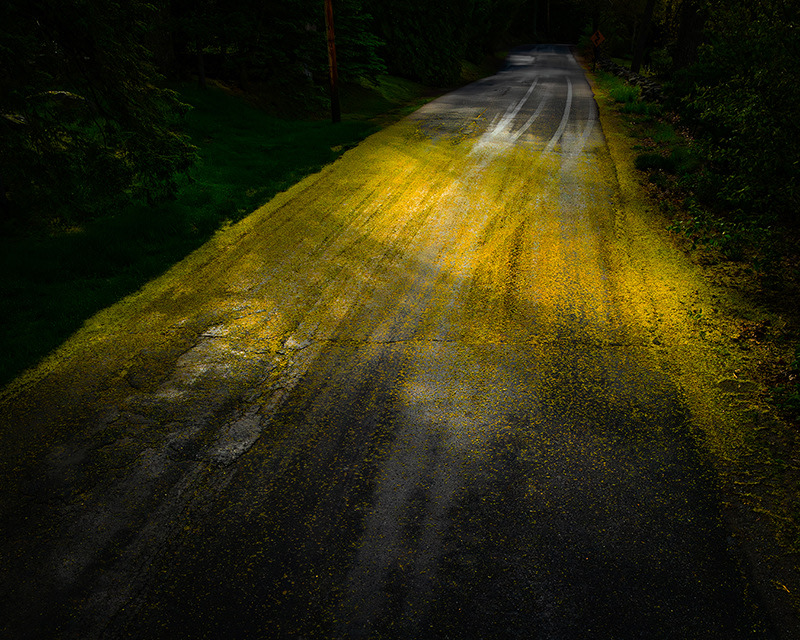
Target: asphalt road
(405, 400)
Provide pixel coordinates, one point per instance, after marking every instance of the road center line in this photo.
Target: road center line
(516, 135)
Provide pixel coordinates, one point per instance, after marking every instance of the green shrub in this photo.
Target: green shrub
(655, 162)
(623, 92)
(51, 284)
(642, 108)
(787, 400)
(679, 161)
(686, 160)
(84, 121)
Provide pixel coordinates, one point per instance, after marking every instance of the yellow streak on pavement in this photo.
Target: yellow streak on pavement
(404, 238)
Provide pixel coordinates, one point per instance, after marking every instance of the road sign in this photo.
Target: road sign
(597, 38)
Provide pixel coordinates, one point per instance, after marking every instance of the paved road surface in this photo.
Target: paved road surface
(405, 400)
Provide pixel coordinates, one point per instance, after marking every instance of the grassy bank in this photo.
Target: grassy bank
(52, 282)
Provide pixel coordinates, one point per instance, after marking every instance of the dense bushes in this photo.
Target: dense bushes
(426, 40)
(741, 99)
(86, 123)
(729, 73)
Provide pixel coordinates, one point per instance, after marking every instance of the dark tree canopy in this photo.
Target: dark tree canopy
(83, 118)
(742, 95)
(86, 121)
(428, 40)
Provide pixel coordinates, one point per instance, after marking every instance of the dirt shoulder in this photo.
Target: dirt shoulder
(711, 327)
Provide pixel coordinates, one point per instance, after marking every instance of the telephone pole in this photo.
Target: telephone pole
(336, 110)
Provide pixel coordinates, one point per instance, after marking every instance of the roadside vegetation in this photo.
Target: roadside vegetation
(130, 133)
(718, 157)
(745, 246)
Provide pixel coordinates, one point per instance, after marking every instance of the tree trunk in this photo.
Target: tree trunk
(201, 67)
(548, 19)
(644, 34)
(690, 33)
(336, 112)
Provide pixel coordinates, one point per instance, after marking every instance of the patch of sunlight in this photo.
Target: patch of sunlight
(404, 239)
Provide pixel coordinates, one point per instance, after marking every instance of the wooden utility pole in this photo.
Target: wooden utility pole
(548, 20)
(336, 110)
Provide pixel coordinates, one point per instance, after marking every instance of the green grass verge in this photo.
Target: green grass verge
(52, 284)
(675, 165)
(628, 95)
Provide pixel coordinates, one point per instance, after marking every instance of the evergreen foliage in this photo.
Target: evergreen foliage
(281, 43)
(87, 124)
(83, 120)
(729, 67)
(426, 41)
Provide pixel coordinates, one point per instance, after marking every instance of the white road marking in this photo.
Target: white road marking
(516, 135)
(564, 118)
(514, 109)
(591, 120)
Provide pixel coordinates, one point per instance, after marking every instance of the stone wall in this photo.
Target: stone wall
(651, 91)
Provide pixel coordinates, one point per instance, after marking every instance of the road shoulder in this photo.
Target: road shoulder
(693, 326)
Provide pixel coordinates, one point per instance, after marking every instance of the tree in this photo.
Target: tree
(642, 36)
(84, 119)
(691, 23)
(426, 41)
(336, 110)
(741, 96)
